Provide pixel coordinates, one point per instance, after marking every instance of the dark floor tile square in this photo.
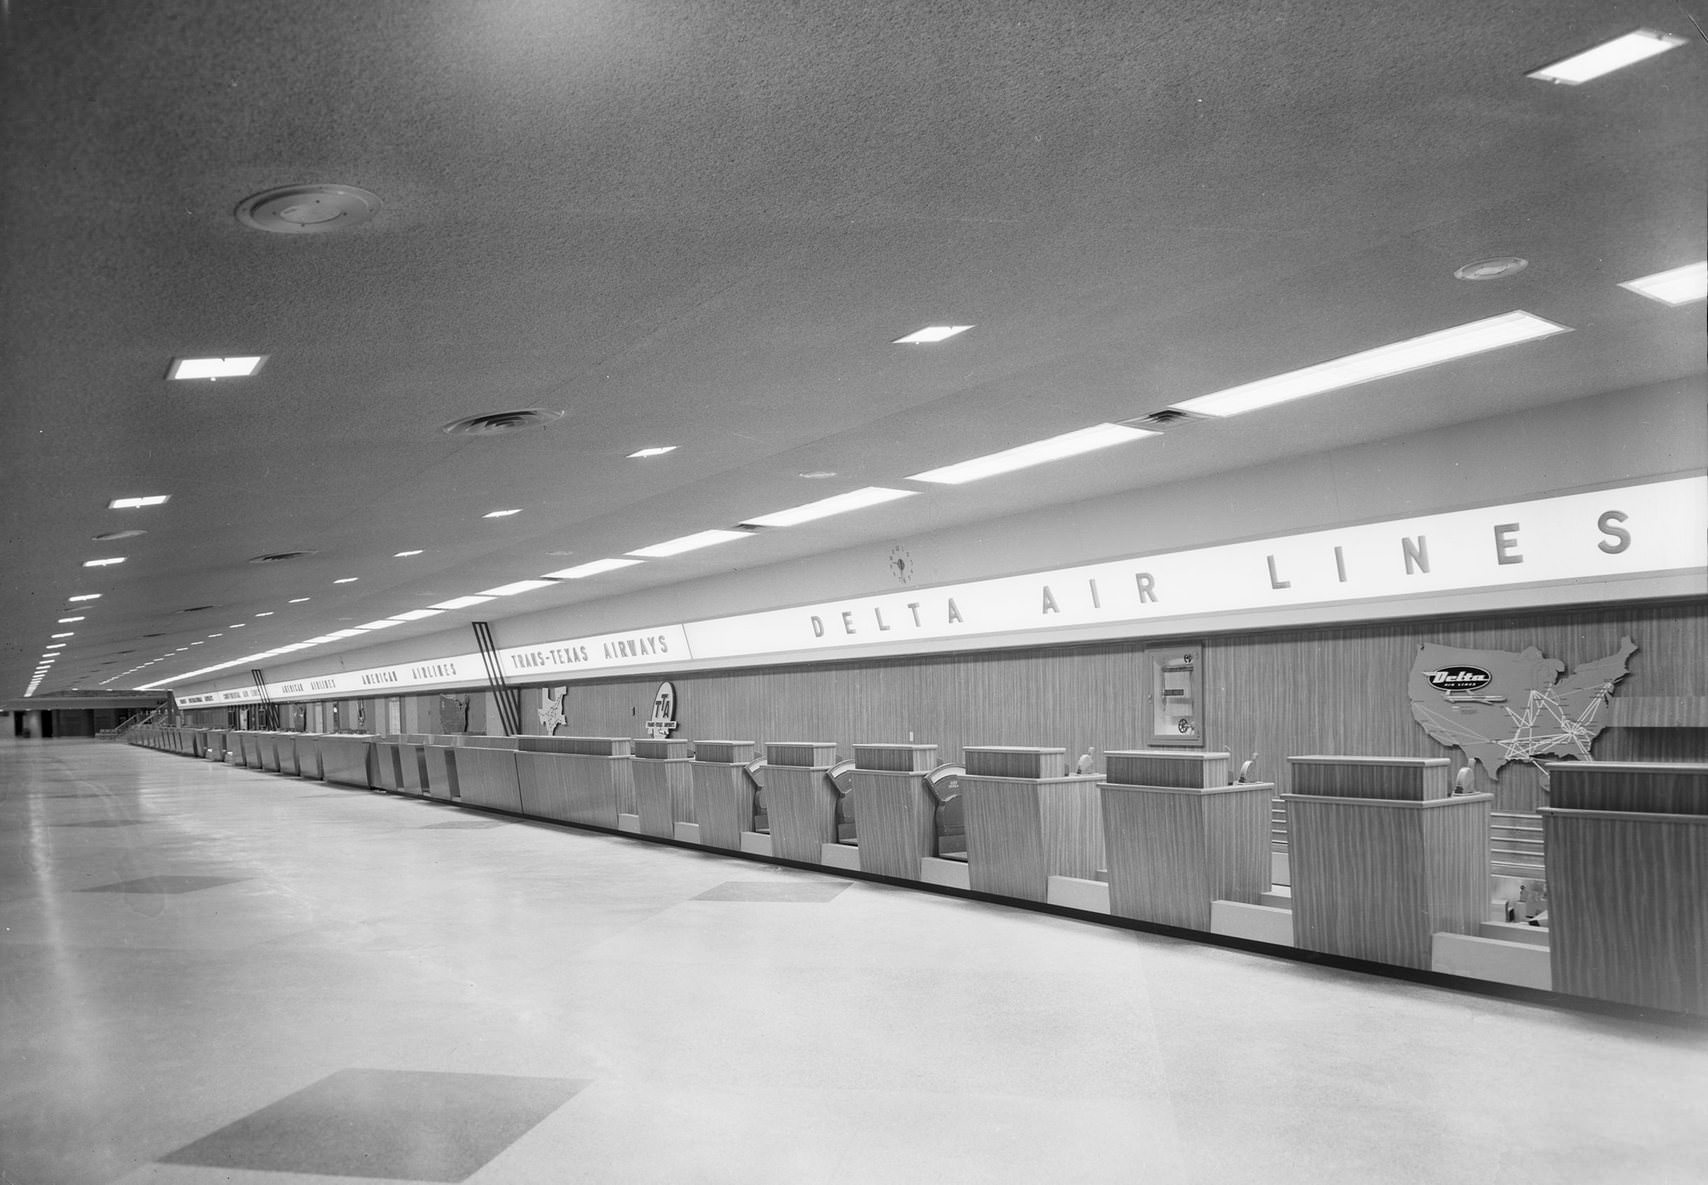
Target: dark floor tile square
(413, 1125)
(165, 884)
(461, 825)
(810, 892)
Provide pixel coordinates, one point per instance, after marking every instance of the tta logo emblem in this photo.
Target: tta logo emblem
(662, 722)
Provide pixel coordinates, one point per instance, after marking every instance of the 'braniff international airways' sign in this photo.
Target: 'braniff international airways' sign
(1656, 528)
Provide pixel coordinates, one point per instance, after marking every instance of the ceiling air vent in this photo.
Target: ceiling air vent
(496, 423)
(275, 557)
(1168, 417)
(198, 608)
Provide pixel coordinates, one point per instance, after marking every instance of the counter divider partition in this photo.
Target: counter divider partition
(1180, 836)
(439, 760)
(388, 764)
(664, 784)
(290, 760)
(412, 763)
(894, 809)
(723, 793)
(1028, 820)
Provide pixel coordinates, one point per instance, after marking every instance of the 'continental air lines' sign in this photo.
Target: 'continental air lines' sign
(1656, 528)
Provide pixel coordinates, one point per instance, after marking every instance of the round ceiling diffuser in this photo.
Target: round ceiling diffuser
(307, 209)
(496, 423)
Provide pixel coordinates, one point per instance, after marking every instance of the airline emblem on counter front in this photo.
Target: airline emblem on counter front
(662, 722)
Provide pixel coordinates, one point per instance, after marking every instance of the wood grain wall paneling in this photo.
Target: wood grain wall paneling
(1628, 907)
(1368, 874)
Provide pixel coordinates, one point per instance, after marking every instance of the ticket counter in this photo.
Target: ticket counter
(1382, 855)
(439, 755)
(1028, 820)
(1627, 850)
(895, 808)
(1180, 834)
(347, 759)
(664, 784)
(800, 799)
(388, 763)
(486, 772)
(723, 792)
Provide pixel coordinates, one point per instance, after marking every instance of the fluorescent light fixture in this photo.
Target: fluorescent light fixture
(297, 600)
(215, 368)
(930, 334)
(268, 613)
(384, 623)
(320, 641)
(1679, 286)
(346, 580)
(85, 597)
(351, 633)
(104, 563)
(825, 507)
(461, 602)
(67, 634)
(1607, 57)
(237, 626)
(501, 513)
(416, 614)
(69, 620)
(180, 650)
(689, 543)
(657, 450)
(1068, 444)
(404, 554)
(1461, 341)
(591, 568)
(198, 643)
(136, 503)
(218, 635)
(519, 586)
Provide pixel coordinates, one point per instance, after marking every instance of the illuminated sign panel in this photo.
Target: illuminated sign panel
(1657, 528)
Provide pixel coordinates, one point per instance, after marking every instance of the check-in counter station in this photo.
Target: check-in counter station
(1389, 862)
(1180, 835)
(664, 784)
(1027, 820)
(486, 772)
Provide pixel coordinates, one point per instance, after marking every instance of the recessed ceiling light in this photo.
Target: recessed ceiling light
(216, 368)
(69, 620)
(297, 600)
(1607, 57)
(384, 623)
(103, 563)
(416, 614)
(825, 507)
(1492, 269)
(1681, 285)
(1460, 341)
(237, 625)
(180, 650)
(591, 568)
(1039, 452)
(55, 646)
(85, 597)
(218, 635)
(403, 554)
(346, 580)
(501, 513)
(461, 602)
(268, 613)
(930, 334)
(817, 474)
(134, 503)
(203, 643)
(67, 634)
(520, 586)
(689, 543)
(657, 450)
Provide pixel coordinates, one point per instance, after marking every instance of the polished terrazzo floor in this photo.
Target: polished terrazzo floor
(213, 975)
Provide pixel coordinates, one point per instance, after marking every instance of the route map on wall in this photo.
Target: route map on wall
(1498, 706)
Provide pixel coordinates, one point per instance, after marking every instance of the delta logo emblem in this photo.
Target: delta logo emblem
(1460, 678)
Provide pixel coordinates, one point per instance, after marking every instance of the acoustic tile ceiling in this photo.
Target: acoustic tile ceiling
(710, 227)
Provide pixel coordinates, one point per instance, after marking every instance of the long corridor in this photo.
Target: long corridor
(213, 974)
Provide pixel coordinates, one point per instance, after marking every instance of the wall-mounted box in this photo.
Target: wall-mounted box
(1174, 696)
